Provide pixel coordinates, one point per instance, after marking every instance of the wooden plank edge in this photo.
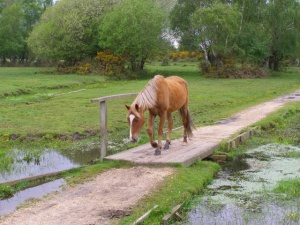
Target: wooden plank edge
(201, 155)
(143, 217)
(235, 142)
(165, 219)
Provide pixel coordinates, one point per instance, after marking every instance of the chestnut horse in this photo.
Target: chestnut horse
(161, 97)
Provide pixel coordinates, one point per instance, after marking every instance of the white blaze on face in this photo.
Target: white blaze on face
(131, 118)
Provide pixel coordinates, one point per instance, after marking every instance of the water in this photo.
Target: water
(242, 192)
(9, 205)
(27, 164)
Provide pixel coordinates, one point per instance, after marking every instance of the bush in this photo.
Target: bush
(185, 55)
(241, 72)
(109, 64)
(104, 64)
(84, 68)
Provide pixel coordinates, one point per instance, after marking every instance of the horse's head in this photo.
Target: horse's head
(136, 120)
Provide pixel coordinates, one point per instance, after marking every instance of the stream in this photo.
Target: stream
(28, 164)
(242, 192)
(31, 163)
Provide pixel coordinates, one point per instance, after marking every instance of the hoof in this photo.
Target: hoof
(185, 140)
(157, 152)
(154, 145)
(167, 145)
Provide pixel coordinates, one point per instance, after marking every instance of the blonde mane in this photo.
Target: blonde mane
(147, 98)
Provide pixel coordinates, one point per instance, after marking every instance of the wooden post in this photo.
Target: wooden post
(103, 119)
(103, 129)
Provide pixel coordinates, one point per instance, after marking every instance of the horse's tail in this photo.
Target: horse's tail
(190, 126)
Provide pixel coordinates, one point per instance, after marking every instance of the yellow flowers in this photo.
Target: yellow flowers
(4, 138)
(185, 55)
(109, 63)
(294, 216)
(84, 68)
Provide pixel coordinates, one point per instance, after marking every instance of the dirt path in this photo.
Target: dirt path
(110, 194)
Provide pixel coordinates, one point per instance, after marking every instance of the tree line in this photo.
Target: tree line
(17, 20)
(261, 33)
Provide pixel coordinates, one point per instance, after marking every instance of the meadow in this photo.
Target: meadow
(38, 107)
(36, 104)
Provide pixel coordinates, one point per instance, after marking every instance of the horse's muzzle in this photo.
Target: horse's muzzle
(133, 140)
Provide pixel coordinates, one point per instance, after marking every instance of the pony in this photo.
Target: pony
(161, 96)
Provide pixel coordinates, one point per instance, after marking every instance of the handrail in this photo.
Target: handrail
(112, 97)
(103, 119)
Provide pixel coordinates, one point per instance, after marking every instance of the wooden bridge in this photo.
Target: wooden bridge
(206, 139)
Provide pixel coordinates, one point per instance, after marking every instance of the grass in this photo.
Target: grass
(281, 127)
(37, 109)
(50, 114)
(32, 106)
(177, 189)
(291, 188)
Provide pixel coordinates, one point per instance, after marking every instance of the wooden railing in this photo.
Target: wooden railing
(103, 119)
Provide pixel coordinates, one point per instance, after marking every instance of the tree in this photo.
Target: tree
(216, 28)
(12, 31)
(253, 36)
(33, 10)
(68, 30)
(133, 29)
(181, 25)
(180, 19)
(269, 31)
(17, 20)
(282, 19)
(255, 42)
(265, 33)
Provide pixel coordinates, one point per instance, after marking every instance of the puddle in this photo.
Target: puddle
(48, 161)
(241, 193)
(227, 120)
(9, 205)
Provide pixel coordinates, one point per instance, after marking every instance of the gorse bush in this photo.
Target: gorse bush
(109, 64)
(105, 63)
(185, 55)
(84, 68)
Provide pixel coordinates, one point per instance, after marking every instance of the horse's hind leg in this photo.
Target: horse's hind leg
(184, 112)
(170, 126)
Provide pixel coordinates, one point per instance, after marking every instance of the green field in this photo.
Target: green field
(37, 105)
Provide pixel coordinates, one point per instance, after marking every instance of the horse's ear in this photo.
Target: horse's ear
(127, 107)
(137, 107)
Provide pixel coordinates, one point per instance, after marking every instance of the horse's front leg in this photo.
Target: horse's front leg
(150, 130)
(160, 133)
(170, 126)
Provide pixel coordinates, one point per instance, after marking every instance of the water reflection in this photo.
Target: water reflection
(241, 193)
(9, 205)
(45, 162)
